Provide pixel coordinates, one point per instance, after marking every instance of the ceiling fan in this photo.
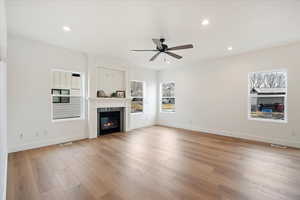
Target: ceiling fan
(163, 48)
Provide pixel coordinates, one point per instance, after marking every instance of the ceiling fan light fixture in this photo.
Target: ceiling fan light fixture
(163, 48)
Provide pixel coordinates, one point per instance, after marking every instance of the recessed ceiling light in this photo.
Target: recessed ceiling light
(205, 22)
(66, 29)
(229, 48)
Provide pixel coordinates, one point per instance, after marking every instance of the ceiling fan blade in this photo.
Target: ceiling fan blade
(145, 50)
(157, 42)
(155, 56)
(187, 46)
(173, 55)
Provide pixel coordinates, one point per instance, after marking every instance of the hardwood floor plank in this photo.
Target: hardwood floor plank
(155, 163)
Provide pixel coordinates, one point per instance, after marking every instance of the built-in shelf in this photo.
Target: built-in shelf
(111, 80)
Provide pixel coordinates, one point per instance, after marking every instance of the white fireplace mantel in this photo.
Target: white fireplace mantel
(95, 103)
(109, 102)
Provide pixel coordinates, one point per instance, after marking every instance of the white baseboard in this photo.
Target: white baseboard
(5, 178)
(54, 141)
(234, 134)
(39, 144)
(151, 123)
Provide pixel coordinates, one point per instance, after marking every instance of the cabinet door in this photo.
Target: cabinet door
(68, 82)
(76, 82)
(56, 80)
(62, 79)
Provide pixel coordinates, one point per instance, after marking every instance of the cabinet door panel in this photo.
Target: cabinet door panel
(56, 80)
(76, 82)
(63, 80)
(68, 80)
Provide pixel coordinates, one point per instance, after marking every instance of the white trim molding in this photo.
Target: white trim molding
(240, 135)
(49, 142)
(5, 175)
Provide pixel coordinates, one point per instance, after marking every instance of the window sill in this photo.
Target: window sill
(171, 112)
(137, 113)
(268, 120)
(67, 119)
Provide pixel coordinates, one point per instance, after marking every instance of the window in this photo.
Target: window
(268, 96)
(137, 96)
(167, 93)
(66, 94)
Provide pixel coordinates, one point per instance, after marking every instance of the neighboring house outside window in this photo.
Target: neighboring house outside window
(66, 94)
(268, 96)
(137, 96)
(167, 97)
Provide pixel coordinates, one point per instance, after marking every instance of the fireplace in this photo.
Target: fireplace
(110, 120)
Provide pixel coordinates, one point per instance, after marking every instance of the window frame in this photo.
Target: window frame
(61, 96)
(284, 95)
(161, 97)
(82, 95)
(143, 97)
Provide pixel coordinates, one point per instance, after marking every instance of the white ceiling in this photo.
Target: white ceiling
(113, 27)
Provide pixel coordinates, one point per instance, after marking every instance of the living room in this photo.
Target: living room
(149, 100)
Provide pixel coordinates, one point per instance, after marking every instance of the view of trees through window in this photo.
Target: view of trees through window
(268, 95)
(168, 97)
(137, 96)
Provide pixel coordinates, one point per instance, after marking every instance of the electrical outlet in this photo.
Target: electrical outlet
(21, 136)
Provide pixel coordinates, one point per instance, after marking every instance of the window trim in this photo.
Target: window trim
(161, 97)
(143, 97)
(82, 93)
(285, 98)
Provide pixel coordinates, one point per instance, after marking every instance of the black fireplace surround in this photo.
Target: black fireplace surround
(110, 120)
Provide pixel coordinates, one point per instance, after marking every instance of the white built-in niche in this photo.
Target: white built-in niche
(111, 80)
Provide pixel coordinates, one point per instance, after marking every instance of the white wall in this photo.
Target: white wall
(3, 112)
(3, 30)
(148, 117)
(212, 96)
(29, 101)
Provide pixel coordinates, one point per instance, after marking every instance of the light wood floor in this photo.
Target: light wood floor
(155, 163)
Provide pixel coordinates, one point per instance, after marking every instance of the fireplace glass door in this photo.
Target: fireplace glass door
(110, 122)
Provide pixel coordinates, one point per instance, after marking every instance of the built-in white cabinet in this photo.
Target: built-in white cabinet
(56, 80)
(75, 82)
(66, 80)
